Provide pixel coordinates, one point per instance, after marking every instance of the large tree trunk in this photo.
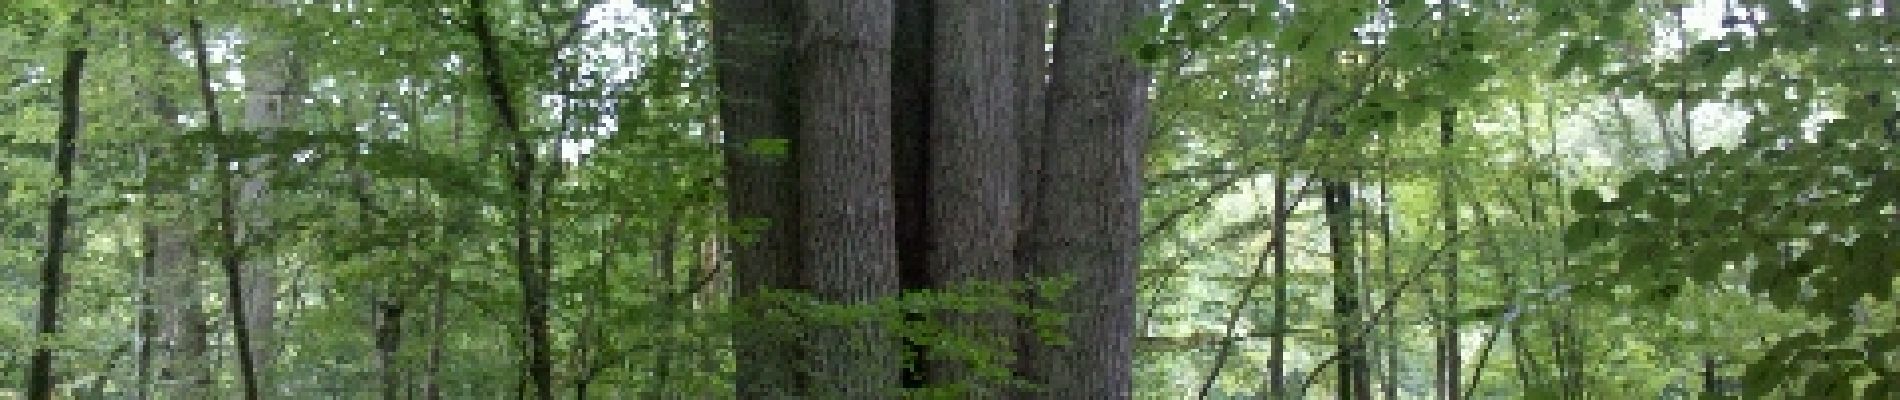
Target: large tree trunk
(1088, 213)
(230, 251)
(39, 383)
(1032, 83)
(758, 111)
(972, 185)
(845, 178)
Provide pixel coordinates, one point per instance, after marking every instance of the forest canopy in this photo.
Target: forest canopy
(949, 199)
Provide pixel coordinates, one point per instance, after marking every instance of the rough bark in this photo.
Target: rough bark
(39, 384)
(758, 110)
(972, 185)
(1086, 225)
(845, 180)
(1032, 84)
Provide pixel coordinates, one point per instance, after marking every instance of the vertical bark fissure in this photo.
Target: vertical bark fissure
(912, 101)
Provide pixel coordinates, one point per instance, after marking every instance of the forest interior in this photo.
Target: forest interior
(949, 199)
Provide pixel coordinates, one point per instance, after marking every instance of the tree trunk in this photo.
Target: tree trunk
(40, 383)
(388, 317)
(845, 178)
(231, 255)
(532, 279)
(1353, 382)
(1276, 362)
(758, 112)
(271, 81)
(1032, 83)
(1087, 219)
(1449, 352)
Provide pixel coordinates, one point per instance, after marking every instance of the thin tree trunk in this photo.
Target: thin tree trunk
(1087, 222)
(438, 335)
(231, 253)
(534, 283)
(40, 382)
(147, 324)
(670, 302)
(845, 174)
(1276, 363)
(1449, 361)
(388, 342)
(1352, 382)
(758, 110)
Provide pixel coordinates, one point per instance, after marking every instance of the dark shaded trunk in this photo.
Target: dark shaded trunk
(758, 112)
(1449, 354)
(530, 274)
(39, 381)
(438, 335)
(231, 253)
(1276, 361)
(388, 344)
(1353, 382)
(1087, 216)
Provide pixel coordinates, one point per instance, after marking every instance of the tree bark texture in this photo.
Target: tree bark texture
(845, 177)
(1087, 215)
(972, 186)
(758, 109)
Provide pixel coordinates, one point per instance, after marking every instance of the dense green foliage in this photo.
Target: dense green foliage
(1639, 198)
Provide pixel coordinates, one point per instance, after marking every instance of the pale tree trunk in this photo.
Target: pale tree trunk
(40, 380)
(270, 101)
(972, 180)
(758, 97)
(1087, 216)
(845, 180)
